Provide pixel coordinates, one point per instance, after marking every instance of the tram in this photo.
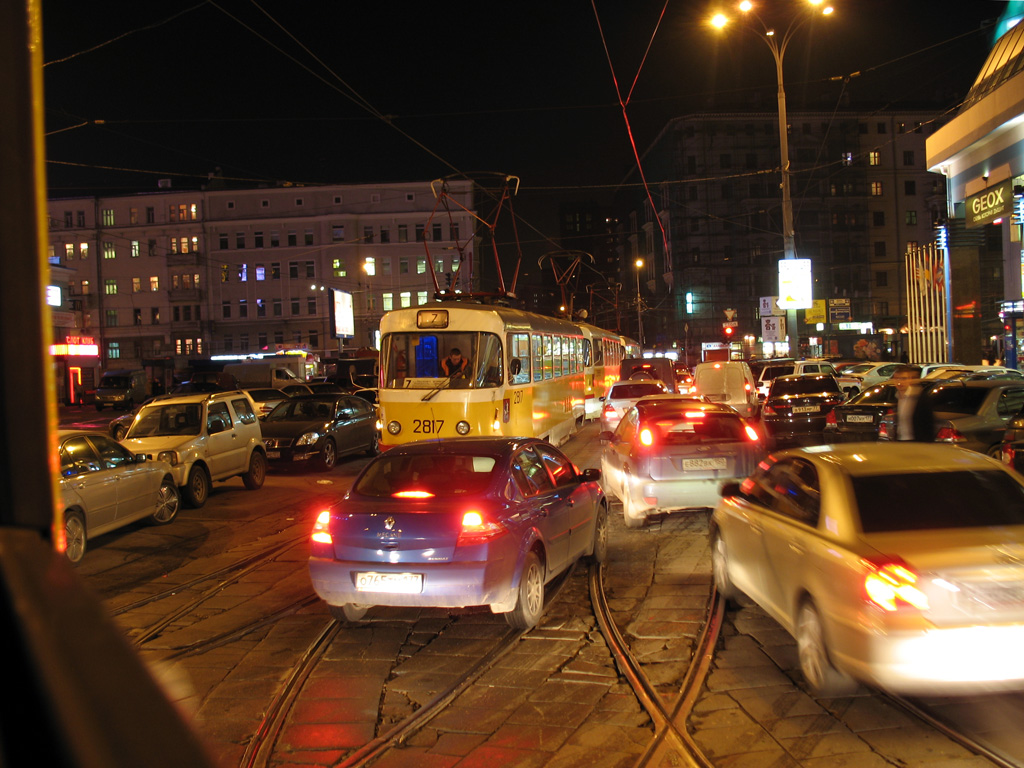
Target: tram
(525, 374)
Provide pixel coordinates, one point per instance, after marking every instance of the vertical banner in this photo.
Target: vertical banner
(926, 305)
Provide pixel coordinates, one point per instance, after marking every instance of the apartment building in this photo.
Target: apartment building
(159, 278)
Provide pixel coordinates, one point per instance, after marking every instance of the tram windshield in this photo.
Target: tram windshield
(446, 360)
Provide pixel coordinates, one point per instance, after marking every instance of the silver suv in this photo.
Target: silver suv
(205, 437)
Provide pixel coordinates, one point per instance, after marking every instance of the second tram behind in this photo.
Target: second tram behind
(526, 375)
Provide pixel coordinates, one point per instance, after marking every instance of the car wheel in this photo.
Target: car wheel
(632, 517)
(74, 535)
(119, 432)
(350, 612)
(253, 479)
(530, 601)
(824, 680)
(374, 448)
(600, 553)
(328, 456)
(720, 571)
(197, 488)
(996, 452)
(167, 504)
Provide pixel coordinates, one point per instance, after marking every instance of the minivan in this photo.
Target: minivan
(660, 368)
(122, 388)
(730, 382)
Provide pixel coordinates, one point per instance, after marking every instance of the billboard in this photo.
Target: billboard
(342, 319)
(795, 284)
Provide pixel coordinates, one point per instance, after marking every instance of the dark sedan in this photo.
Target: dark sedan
(320, 429)
(858, 418)
(458, 523)
(798, 405)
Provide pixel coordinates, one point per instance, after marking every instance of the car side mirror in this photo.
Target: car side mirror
(590, 475)
(606, 437)
(515, 366)
(141, 458)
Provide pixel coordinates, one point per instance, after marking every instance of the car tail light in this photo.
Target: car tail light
(1008, 454)
(751, 433)
(322, 528)
(694, 414)
(890, 584)
(747, 386)
(412, 495)
(830, 418)
(949, 435)
(477, 528)
(646, 437)
(609, 409)
(769, 411)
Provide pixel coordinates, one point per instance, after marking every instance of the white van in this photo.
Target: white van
(729, 382)
(122, 388)
(265, 373)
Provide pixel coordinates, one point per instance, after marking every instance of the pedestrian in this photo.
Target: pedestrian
(914, 417)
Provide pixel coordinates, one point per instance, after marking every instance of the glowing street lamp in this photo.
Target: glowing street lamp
(639, 305)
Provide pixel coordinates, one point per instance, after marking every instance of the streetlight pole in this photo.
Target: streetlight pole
(778, 49)
(639, 305)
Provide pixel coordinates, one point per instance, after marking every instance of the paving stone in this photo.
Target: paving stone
(580, 693)
(523, 736)
(457, 743)
(870, 714)
(745, 677)
(574, 756)
(307, 736)
(599, 736)
(459, 719)
(805, 725)
(333, 711)
(549, 713)
(720, 742)
(415, 756)
(771, 703)
(915, 745)
(487, 756)
(820, 745)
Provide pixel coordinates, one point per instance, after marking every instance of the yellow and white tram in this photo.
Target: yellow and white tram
(527, 374)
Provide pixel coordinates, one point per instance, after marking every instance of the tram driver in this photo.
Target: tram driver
(455, 366)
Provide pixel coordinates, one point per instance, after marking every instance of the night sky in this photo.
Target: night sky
(315, 91)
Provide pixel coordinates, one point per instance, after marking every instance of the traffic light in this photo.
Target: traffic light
(728, 332)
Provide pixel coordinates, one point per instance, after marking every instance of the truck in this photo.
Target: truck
(274, 372)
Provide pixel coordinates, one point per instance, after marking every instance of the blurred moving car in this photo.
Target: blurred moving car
(729, 382)
(623, 395)
(205, 438)
(899, 566)
(672, 452)
(971, 414)
(858, 418)
(1011, 450)
(973, 373)
(266, 399)
(798, 405)
(103, 486)
(457, 523)
(320, 429)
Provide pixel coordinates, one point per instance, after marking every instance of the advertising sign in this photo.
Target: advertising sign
(770, 306)
(795, 284)
(343, 324)
(985, 207)
(773, 329)
(816, 314)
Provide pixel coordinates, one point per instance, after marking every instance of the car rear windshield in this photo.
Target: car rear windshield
(809, 386)
(683, 426)
(880, 395)
(921, 501)
(442, 475)
(773, 371)
(634, 391)
(958, 399)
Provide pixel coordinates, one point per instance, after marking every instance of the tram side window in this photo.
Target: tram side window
(589, 348)
(556, 355)
(538, 357)
(548, 351)
(519, 349)
(578, 354)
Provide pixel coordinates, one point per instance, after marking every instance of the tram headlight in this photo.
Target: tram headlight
(394, 427)
(462, 428)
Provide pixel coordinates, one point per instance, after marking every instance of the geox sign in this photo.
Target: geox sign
(985, 207)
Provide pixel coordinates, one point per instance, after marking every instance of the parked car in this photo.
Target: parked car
(1011, 450)
(623, 395)
(293, 390)
(193, 387)
(122, 388)
(104, 486)
(320, 429)
(266, 399)
(798, 405)
(457, 523)
(879, 373)
(728, 382)
(972, 373)
(118, 427)
(206, 438)
(971, 414)
(671, 452)
(898, 566)
(858, 418)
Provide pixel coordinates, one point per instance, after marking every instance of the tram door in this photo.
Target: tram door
(426, 358)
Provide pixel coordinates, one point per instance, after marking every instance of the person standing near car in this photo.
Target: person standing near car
(914, 417)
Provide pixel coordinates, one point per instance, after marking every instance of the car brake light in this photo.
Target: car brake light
(949, 435)
(769, 411)
(891, 583)
(747, 386)
(830, 418)
(695, 414)
(412, 495)
(646, 437)
(609, 409)
(1008, 454)
(751, 433)
(476, 529)
(321, 528)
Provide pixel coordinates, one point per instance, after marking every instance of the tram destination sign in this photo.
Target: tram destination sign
(985, 207)
(432, 318)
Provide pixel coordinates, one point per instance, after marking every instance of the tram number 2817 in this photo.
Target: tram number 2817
(427, 426)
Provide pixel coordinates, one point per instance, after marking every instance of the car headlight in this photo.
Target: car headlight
(171, 457)
(462, 427)
(308, 439)
(394, 427)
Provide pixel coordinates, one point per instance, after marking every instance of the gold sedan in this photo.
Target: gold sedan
(897, 565)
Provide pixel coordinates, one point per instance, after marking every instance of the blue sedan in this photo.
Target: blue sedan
(458, 523)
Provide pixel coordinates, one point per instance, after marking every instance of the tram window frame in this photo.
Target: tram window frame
(589, 358)
(556, 355)
(519, 349)
(537, 349)
(547, 349)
